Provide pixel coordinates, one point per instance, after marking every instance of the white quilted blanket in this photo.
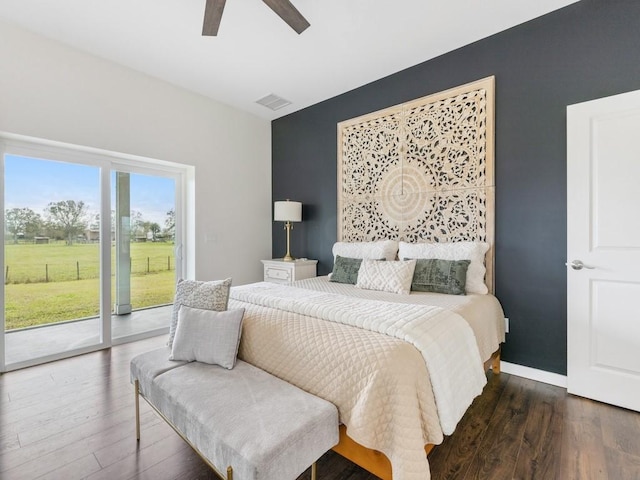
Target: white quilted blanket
(387, 400)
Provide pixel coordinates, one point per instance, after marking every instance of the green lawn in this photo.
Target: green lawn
(35, 302)
(28, 263)
(39, 303)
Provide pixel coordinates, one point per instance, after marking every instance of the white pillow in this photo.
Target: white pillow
(213, 295)
(473, 251)
(207, 336)
(386, 249)
(394, 277)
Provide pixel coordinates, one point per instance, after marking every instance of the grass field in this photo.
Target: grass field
(29, 303)
(53, 262)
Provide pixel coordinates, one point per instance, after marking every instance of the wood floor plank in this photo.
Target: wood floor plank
(582, 447)
(52, 415)
(39, 467)
(75, 470)
(544, 427)
(185, 464)
(128, 445)
(57, 398)
(82, 440)
(65, 418)
(616, 433)
(17, 389)
(451, 459)
(621, 465)
(498, 450)
(133, 466)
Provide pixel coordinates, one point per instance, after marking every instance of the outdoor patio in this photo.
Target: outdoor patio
(50, 339)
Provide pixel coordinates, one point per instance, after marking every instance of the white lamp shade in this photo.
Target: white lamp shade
(287, 211)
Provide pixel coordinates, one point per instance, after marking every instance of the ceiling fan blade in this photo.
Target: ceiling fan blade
(212, 16)
(290, 14)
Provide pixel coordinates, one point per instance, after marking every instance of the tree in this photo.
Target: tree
(170, 223)
(149, 227)
(154, 228)
(22, 221)
(69, 217)
(137, 224)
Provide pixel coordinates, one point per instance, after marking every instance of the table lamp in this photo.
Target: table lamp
(287, 212)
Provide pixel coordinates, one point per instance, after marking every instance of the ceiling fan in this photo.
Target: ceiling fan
(283, 8)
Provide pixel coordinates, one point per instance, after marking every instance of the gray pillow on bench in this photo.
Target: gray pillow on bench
(207, 336)
(213, 295)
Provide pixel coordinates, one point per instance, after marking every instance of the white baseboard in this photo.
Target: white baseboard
(534, 374)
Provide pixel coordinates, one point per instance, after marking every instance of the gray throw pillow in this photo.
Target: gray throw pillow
(345, 270)
(440, 276)
(207, 336)
(213, 295)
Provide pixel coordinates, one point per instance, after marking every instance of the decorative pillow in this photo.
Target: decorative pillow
(394, 277)
(207, 336)
(345, 270)
(386, 249)
(212, 295)
(473, 251)
(440, 276)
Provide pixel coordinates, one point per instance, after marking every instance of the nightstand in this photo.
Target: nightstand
(279, 271)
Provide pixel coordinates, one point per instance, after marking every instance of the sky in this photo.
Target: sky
(34, 183)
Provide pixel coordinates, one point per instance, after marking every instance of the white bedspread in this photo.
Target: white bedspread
(384, 400)
(483, 312)
(444, 339)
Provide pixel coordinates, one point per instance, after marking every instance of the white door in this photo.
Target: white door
(603, 249)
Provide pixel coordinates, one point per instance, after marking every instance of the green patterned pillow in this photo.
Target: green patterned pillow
(345, 270)
(440, 276)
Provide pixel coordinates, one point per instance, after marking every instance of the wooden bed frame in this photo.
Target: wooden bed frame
(377, 462)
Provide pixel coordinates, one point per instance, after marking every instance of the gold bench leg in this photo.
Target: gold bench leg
(229, 473)
(314, 471)
(136, 387)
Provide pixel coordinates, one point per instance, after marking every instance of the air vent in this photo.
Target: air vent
(274, 102)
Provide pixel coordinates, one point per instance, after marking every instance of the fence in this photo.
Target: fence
(81, 270)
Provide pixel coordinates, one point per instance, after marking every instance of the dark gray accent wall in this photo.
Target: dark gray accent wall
(587, 50)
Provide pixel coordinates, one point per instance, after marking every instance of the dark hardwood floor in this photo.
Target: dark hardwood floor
(74, 419)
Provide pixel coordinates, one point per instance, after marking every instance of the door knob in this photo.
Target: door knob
(578, 265)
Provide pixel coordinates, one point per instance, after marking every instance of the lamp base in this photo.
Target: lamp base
(288, 258)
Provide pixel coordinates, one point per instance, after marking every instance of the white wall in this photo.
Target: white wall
(54, 92)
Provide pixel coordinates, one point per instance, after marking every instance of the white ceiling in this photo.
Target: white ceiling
(350, 42)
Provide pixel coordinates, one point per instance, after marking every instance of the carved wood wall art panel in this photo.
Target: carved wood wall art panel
(420, 171)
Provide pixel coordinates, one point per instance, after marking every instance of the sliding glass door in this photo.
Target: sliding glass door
(51, 259)
(88, 255)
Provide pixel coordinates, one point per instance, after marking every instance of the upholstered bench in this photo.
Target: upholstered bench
(243, 421)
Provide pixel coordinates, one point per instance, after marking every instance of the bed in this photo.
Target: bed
(380, 383)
